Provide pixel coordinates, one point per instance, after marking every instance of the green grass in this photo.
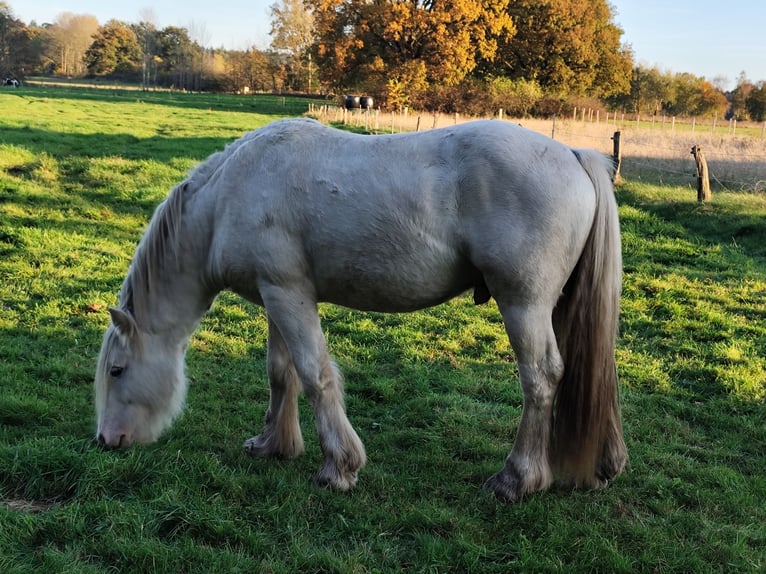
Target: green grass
(434, 395)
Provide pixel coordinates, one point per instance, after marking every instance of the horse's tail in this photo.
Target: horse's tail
(587, 444)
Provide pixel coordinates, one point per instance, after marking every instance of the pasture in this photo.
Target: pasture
(434, 395)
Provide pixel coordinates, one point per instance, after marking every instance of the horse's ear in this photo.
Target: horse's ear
(124, 322)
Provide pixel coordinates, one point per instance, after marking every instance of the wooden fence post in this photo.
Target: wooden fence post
(617, 157)
(703, 179)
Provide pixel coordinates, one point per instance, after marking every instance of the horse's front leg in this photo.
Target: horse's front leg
(296, 317)
(527, 468)
(281, 436)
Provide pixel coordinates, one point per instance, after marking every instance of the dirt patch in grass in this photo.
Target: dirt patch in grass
(28, 506)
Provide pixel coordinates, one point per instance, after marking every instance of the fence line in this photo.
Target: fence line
(404, 120)
(736, 161)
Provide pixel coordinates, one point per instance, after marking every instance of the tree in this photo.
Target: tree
(739, 96)
(567, 46)
(515, 97)
(712, 102)
(198, 56)
(177, 55)
(364, 44)
(17, 54)
(247, 71)
(292, 27)
(115, 50)
(756, 102)
(695, 96)
(651, 92)
(214, 73)
(70, 36)
(146, 34)
(292, 31)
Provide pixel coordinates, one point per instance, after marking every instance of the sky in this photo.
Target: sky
(713, 39)
(704, 37)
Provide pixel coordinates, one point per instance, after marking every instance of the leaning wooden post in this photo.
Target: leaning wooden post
(617, 157)
(703, 179)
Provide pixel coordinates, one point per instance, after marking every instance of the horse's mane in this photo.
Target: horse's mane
(158, 249)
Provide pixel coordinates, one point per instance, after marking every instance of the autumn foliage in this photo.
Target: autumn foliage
(361, 43)
(564, 47)
(527, 57)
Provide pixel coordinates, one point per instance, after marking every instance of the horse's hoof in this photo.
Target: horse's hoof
(612, 466)
(505, 488)
(259, 446)
(269, 445)
(330, 477)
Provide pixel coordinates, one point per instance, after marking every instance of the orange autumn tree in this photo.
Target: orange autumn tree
(570, 47)
(367, 45)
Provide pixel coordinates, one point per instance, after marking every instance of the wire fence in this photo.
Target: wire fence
(655, 149)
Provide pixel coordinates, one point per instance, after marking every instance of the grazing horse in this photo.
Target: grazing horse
(296, 213)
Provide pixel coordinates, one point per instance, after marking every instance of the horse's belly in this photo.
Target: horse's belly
(390, 301)
(392, 289)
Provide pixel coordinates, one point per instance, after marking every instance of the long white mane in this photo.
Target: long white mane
(158, 250)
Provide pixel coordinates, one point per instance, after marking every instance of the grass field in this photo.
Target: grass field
(434, 395)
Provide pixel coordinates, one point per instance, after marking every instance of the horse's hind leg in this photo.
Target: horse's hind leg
(527, 469)
(281, 437)
(296, 317)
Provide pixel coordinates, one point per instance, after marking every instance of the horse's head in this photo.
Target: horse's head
(140, 385)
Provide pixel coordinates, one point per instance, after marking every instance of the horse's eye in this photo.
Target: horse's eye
(116, 371)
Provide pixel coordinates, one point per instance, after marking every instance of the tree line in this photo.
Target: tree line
(77, 46)
(527, 57)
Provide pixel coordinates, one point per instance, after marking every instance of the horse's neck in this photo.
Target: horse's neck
(180, 305)
(177, 292)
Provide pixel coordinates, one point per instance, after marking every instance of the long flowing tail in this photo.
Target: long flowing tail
(588, 445)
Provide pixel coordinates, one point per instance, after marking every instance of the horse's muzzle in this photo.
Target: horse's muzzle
(122, 442)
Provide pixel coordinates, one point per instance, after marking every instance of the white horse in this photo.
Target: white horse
(296, 213)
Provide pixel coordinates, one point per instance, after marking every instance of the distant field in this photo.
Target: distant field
(433, 394)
